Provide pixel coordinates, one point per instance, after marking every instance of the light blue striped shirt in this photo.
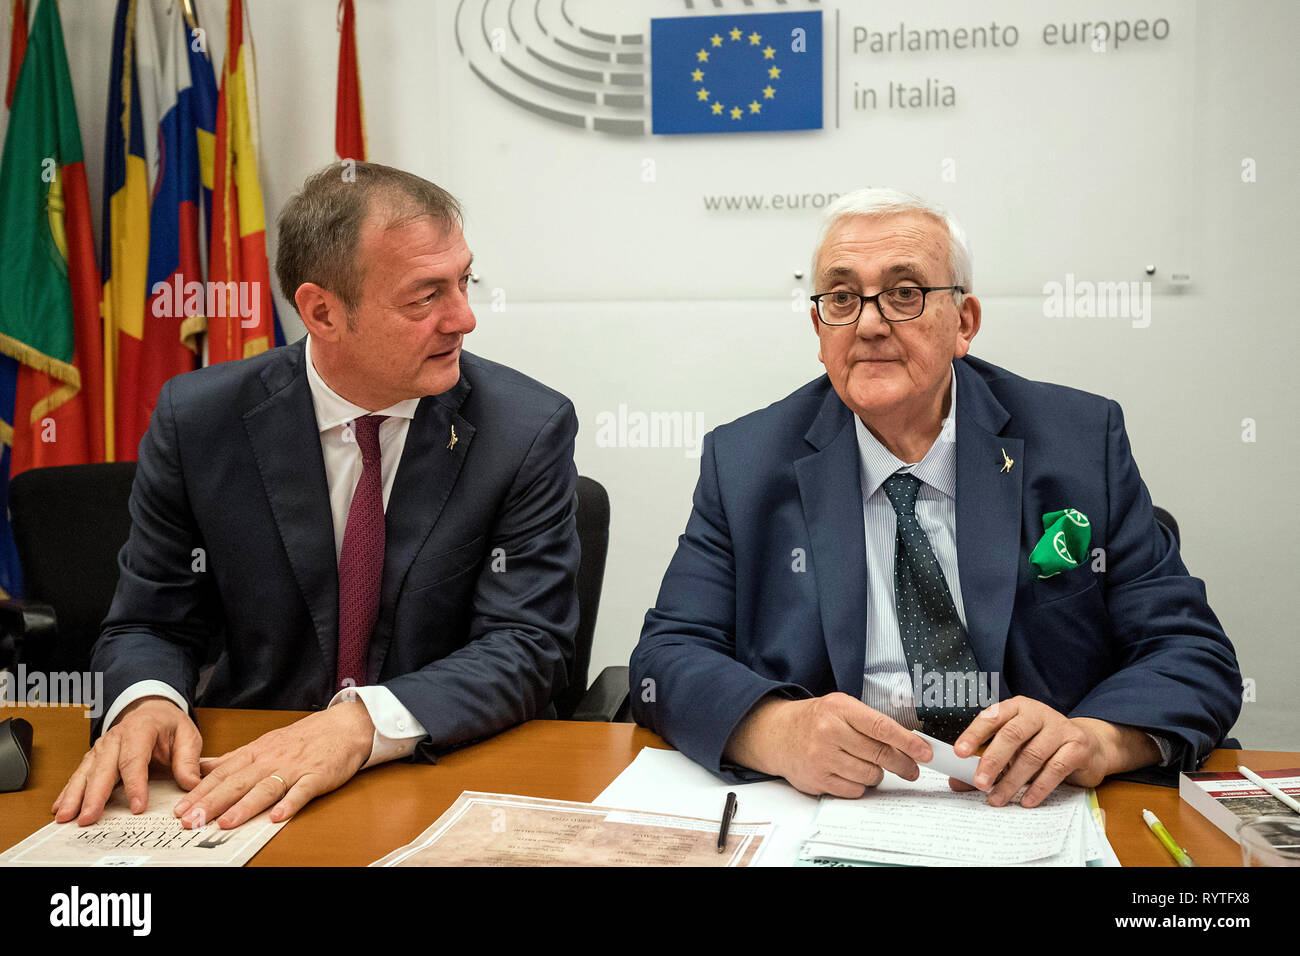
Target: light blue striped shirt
(887, 684)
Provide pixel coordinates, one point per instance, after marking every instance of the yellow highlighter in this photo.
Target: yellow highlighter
(1180, 855)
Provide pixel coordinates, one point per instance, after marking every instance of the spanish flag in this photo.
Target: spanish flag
(243, 322)
(349, 111)
(49, 312)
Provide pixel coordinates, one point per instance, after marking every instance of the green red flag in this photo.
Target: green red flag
(49, 312)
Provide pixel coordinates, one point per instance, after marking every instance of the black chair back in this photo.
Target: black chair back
(1166, 519)
(593, 533)
(69, 524)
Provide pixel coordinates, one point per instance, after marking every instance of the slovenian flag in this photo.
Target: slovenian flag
(736, 74)
(165, 343)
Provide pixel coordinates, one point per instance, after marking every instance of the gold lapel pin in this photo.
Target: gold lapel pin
(454, 439)
(1006, 462)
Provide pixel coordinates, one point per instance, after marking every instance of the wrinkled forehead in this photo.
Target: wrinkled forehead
(909, 241)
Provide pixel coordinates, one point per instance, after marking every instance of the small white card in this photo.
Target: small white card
(946, 760)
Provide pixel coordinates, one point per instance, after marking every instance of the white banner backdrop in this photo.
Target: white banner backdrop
(1079, 124)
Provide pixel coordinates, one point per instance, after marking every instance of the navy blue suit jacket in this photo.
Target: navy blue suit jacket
(232, 554)
(736, 621)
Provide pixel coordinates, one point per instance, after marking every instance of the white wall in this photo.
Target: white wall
(1217, 352)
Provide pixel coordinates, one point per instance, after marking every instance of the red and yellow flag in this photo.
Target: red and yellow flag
(238, 266)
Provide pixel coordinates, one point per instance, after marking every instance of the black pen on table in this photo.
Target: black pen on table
(728, 811)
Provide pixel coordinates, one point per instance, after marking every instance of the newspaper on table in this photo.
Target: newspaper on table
(153, 837)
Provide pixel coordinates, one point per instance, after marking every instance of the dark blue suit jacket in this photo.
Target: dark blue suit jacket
(231, 552)
(735, 621)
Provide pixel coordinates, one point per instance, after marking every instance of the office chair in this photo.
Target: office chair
(69, 523)
(1166, 519)
(607, 697)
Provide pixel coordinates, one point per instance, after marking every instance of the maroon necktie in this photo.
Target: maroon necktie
(361, 560)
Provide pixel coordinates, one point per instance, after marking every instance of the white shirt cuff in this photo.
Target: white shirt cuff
(1165, 747)
(396, 729)
(142, 688)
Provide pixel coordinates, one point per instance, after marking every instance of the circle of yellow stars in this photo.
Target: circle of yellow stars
(717, 108)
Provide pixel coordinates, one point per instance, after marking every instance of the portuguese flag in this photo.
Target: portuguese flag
(49, 308)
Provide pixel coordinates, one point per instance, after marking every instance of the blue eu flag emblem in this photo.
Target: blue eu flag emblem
(736, 74)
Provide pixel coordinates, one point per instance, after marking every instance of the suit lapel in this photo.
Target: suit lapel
(988, 516)
(424, 481)
(286, 446)
(830, 489)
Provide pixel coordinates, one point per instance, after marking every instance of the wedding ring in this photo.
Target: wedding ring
(276, 776)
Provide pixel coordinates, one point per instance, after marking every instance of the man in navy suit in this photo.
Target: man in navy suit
(875, 528)
(368, 523)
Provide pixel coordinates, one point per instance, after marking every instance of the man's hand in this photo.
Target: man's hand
(1031, 741)
(834, 744)
(151, 728)
(311, 756)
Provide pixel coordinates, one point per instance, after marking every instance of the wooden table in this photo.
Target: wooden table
(388, 806)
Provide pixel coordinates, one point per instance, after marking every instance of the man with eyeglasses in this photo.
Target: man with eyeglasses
(919, 540)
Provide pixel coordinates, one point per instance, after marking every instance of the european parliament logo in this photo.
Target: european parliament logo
(736, 74)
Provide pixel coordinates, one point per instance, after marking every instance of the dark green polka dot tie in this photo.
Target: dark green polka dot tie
(933, 638)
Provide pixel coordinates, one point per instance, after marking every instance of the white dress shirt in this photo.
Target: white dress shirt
(396, 729)
(887, 684)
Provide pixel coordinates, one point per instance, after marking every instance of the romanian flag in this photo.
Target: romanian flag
(130, 163)
(164, 342)
(349, 113)
(241, 320)
(49, 312)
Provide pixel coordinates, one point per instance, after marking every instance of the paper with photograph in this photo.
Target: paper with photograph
(493, 829)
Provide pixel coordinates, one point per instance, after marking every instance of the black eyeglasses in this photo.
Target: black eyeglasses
(901, 304)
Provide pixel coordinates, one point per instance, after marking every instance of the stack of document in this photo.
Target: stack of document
(899, 822)
(925, 823)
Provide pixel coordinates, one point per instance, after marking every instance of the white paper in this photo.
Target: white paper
(927, 818)
(947, 762)
(666, 781)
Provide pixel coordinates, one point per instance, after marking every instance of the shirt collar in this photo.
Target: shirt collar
(938, 468)
(333, 410)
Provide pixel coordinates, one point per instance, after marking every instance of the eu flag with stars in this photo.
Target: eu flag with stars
(758, 71)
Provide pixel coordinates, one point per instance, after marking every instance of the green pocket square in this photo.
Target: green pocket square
(1064, 544)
